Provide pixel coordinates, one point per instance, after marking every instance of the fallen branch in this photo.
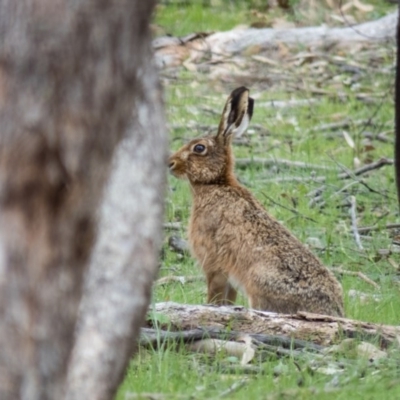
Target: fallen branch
(366, 168)
(196, 48)
(234, 388)
(320, 329)
(175, 226)
(265, 162)
(155, 338)
(359, 274)
(288, 103)
(181, 279)
(268, 162)
(368, 229)
(317, 179)
(292, 210)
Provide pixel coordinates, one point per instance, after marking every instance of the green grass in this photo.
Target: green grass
(180, 375)
(180, 17)
(194, 17)
(194, 102)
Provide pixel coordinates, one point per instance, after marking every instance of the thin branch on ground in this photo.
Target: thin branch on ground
(181, 279)
(368, 229)
(155, 338)
(359, 274)
(266, 162)
(174, 226)
(234, 388)
(318, 179)
(292, 210)
(366, 168)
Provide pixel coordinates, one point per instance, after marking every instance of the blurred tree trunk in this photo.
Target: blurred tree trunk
(71, 72)
(124, 263)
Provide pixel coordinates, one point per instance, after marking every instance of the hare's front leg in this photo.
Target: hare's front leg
(230, 294)
(219, 290)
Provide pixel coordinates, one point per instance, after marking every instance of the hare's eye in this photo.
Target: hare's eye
(199, 148)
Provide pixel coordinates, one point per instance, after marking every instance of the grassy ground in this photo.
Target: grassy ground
(363, 97)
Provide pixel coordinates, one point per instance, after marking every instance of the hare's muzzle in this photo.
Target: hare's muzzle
(171, 165)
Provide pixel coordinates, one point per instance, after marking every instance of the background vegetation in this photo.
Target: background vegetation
(330, 108)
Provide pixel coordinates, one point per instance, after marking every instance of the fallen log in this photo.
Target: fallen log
(319, 329)
(194, 48)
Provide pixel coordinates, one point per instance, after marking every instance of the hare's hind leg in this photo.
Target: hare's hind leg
(219, 291)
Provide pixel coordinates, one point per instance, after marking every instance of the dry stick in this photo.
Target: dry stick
(367, 229)
(300, 179)
(359, 274)
(333, 126)
(181, 279)
(236, 386)
(155, 338)
(265, 162)
(288, 208)
(354, 222)
(366, 168)
(346, 123)
(153, 396)
(176, 226)
(360, 182)
(289, 103)
(239, 369)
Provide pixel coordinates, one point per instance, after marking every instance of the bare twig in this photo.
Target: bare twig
(265, 162)
(317, 179)
(381, 137)
(236, 386)
(353, 212)
(181, 279)
(289, 103)
(175, 226)
(366, 168)
(345, 124)
(359, 274)
(288, 208)
(239, 369)
(363, 183)
(367, 229)
(154, 337)
(333, 126)
(152, 396)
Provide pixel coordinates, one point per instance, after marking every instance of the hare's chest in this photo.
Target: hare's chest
(203, 229)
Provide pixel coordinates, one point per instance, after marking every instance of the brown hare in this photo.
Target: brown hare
(237, 243)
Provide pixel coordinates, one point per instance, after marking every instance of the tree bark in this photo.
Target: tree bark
(69, 71)
(320, 329)
(124, 262)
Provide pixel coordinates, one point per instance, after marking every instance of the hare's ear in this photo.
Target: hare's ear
(237, 114)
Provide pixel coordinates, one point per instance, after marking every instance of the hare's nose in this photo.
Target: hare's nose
(171, 164)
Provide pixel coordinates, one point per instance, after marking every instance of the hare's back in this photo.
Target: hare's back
(235, 222)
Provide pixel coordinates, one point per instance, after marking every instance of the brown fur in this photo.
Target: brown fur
(237, 242)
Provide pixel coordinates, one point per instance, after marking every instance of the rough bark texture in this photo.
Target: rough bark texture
(124, 261)
(172, 51)
(68, 74)
(320, 329)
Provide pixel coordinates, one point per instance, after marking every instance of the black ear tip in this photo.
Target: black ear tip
(251, 107)
(238, 91)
